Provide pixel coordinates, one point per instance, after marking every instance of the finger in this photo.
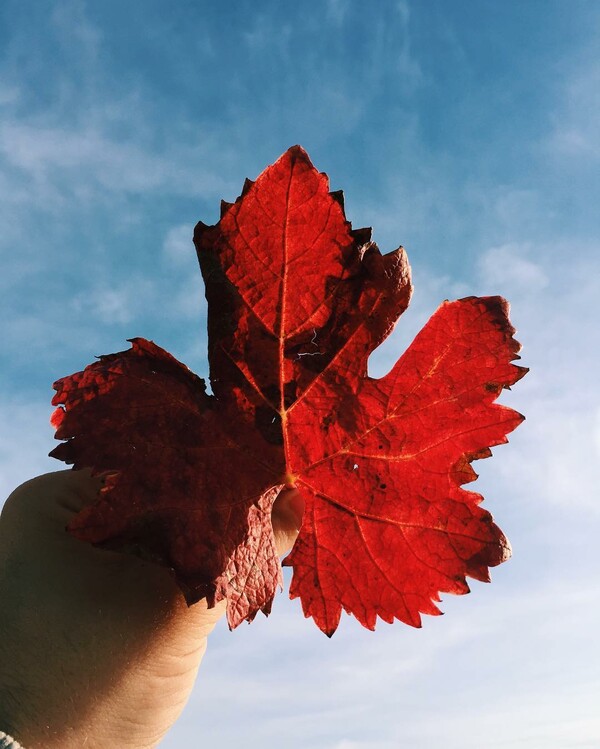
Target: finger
(286, 518)
(288, 510)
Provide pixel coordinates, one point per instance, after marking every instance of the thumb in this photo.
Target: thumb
(51, 500)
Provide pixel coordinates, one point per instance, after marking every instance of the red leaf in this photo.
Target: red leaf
(297, 302)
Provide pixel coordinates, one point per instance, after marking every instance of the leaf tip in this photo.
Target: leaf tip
(338, 196)
(57, 417)
(224, 207)
(362, 236)
(297, 152)
(245, 189)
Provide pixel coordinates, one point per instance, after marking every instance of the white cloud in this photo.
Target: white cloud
(508, 266)
(555, 300)
(264, 33)
(552, 461)
(177, 244)
(75, 29)
(288, 683)
(118, 303)
(349, 744)
(8, 94)
(189, 301)
(26, 438)
(575, 131)
(107, 305)
(597, 431)
(556, 461)
(337, 10)
(70, 157)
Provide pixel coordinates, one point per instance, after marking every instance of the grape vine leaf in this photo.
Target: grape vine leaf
(297, 301)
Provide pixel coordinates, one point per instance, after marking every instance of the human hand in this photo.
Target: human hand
(97, 648)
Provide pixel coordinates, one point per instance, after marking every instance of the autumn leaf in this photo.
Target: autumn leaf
(297, 301)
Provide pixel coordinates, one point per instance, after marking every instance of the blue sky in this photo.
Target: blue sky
(468, 132)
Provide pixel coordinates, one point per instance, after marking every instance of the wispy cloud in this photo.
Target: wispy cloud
(508, 266)
(575, 133)
(85, 161)
(555, 301)
(8, 94)
(25, 441)
(349, 695)
(177, 244)
(337, 10)
(120, 303)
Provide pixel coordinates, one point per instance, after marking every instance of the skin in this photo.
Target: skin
(97, 648)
